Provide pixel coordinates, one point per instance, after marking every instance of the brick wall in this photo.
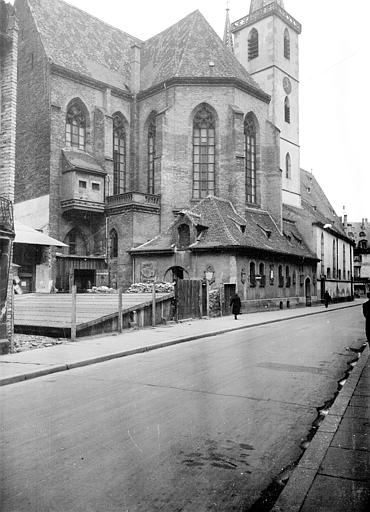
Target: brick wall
(8, 105)
(33, 111)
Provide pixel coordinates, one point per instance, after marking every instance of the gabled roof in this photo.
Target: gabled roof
(81, 43)
(225, 229)
(185, 50)
(317, 204)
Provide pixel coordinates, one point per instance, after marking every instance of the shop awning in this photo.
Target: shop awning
(27, 235)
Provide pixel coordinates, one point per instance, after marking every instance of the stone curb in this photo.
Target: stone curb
(294, 494)
(116, 355)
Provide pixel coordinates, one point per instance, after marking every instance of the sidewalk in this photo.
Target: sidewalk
(334, 473)
(85, 351)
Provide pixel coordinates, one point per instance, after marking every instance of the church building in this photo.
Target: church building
(170, 158)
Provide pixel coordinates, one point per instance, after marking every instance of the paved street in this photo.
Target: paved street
(200, 426)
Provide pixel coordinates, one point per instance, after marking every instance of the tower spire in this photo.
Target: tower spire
(228, 38)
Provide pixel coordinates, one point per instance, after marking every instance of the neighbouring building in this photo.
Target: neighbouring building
(171, 157)
(359, 232)
(323, 231)
(8, 99)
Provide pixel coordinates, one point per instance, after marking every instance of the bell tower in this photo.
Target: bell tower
(266, 44)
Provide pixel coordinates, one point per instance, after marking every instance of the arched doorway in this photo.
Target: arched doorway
(176, 273)
(308, 291)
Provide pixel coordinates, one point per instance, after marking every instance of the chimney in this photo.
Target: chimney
(135, 68)
(345, 224)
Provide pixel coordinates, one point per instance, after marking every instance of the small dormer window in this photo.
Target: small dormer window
(362, 233)
(184, 236)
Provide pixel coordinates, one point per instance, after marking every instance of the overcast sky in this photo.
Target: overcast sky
(334, 79)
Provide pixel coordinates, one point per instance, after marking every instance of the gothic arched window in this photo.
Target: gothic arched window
(203, 153)
(287, 110)
(184, 235)
(152, 133)
(288, 166)
(113, 239)
(286, 44)
(250, 140)
(334, 260)
(253, 44)
(76, 127)
(119, 155)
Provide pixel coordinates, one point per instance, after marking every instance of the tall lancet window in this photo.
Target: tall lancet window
(76, 127)
(250, 134)
(203, 153)
(287, 110)
(253, 44)
(286, 44)
(288, 166)
(119, 155)
(152, 132)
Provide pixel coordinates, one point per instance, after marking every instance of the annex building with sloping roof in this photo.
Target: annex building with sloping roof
(170, 157)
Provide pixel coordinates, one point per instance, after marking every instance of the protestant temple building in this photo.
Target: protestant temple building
(169, 158)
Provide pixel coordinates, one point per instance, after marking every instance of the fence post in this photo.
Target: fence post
(74, 313)
(119, 309)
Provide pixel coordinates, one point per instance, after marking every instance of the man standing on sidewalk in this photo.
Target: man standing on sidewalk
(366, 312)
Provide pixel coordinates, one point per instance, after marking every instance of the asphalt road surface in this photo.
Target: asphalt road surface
(201, 426)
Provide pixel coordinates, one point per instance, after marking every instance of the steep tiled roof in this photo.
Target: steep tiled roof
(222, 227)
(79, 42)
(186, 50)
(317, 204)
(355, 228)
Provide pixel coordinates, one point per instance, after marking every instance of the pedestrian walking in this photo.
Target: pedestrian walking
(235, 304)
(366, 312)
(327, 298)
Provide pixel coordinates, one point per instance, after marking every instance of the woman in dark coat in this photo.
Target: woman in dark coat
(235, 304)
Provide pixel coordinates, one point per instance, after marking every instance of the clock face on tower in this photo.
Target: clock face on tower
(287, 85)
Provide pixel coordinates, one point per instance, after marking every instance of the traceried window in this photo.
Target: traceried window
(203, 153)
(253, 44)
(113, 240)
(184, 236)
(288, 166)
(334, 260)
(250, 136)
(286, 44)
(152, 133)
(76, 127)
(119, 155)
(287, 110)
